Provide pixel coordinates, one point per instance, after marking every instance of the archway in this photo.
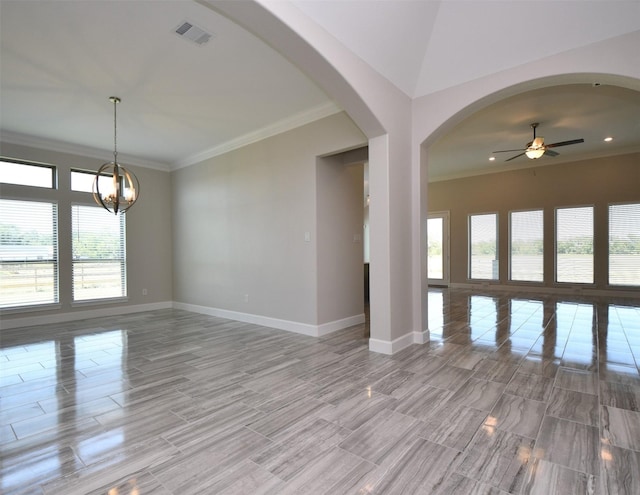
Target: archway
(383, 113)
(460, 114)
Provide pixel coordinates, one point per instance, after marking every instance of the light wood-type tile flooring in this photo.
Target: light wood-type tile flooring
(515, 393)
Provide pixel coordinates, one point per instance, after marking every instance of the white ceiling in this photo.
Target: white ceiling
(423, 46)
(61, 60)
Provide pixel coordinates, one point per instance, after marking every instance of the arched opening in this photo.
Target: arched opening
(386, 122)
(524, 185)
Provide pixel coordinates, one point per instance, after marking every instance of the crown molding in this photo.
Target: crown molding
(77, 149)
(316, 113)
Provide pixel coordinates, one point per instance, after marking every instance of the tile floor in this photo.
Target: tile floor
(514, 394)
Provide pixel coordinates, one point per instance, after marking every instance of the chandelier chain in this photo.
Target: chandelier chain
(115, 101)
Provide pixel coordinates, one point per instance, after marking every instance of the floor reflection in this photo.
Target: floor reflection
(546, 389)
(47, 395)
(579, 334)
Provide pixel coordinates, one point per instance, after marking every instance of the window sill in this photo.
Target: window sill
(30, 309)
(526, 283)
(99, 302)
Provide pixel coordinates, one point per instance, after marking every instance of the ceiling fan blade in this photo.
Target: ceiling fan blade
(551, 152)
(565, 143)
(513, 157)
(508, 151)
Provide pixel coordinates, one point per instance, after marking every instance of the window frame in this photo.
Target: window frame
(510, 239)
(555, 246)
(609, 284)
(53, 169)
(92, 173)
(122, 261)
(55, 260)
(470, 246)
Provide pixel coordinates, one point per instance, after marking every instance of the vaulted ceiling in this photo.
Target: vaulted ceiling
(182, 102)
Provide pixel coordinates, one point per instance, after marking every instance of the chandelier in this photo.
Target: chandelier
(114, 187)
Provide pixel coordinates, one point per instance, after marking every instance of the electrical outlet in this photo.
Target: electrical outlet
(246, 298)
(145, 292)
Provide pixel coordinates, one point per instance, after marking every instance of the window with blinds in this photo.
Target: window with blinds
(574, 245)
(99, 268)
(483, 246)
(28, 253)
(526, 245)
(624, 244)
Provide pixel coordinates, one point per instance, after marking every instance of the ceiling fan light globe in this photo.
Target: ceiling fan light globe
(534, 153)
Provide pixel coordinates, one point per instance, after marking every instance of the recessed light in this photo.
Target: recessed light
(608, 139)
(492, 158)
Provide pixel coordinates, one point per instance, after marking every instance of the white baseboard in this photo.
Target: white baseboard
(29, 321)
(265, 321)
(334, 326)
(421, 337)
(291, 326)
(393, 346)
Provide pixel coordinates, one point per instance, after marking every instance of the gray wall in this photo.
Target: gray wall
(596, 182)
(340, 245)
(149, 249)
(231, 232)
(240, 223)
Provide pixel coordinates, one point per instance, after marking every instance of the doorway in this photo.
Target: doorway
(438, 248)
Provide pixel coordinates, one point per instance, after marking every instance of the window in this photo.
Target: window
(624, 244)
(574, 245)
(28, 253)
(526, 246)
(435, 266)
(82, 180)
(27, 174)
(99, 254)
(483, 246)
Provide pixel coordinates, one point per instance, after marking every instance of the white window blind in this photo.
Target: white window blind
(574, 245)
(483, 246)
(99, 254)
(526, 246)
(624, 244)
(28, 253)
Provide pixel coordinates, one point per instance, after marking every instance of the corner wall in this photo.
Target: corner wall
(340, 214)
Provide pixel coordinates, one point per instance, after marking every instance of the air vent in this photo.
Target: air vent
(193, 33)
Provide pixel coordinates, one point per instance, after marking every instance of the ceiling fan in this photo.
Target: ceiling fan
(537, 148)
